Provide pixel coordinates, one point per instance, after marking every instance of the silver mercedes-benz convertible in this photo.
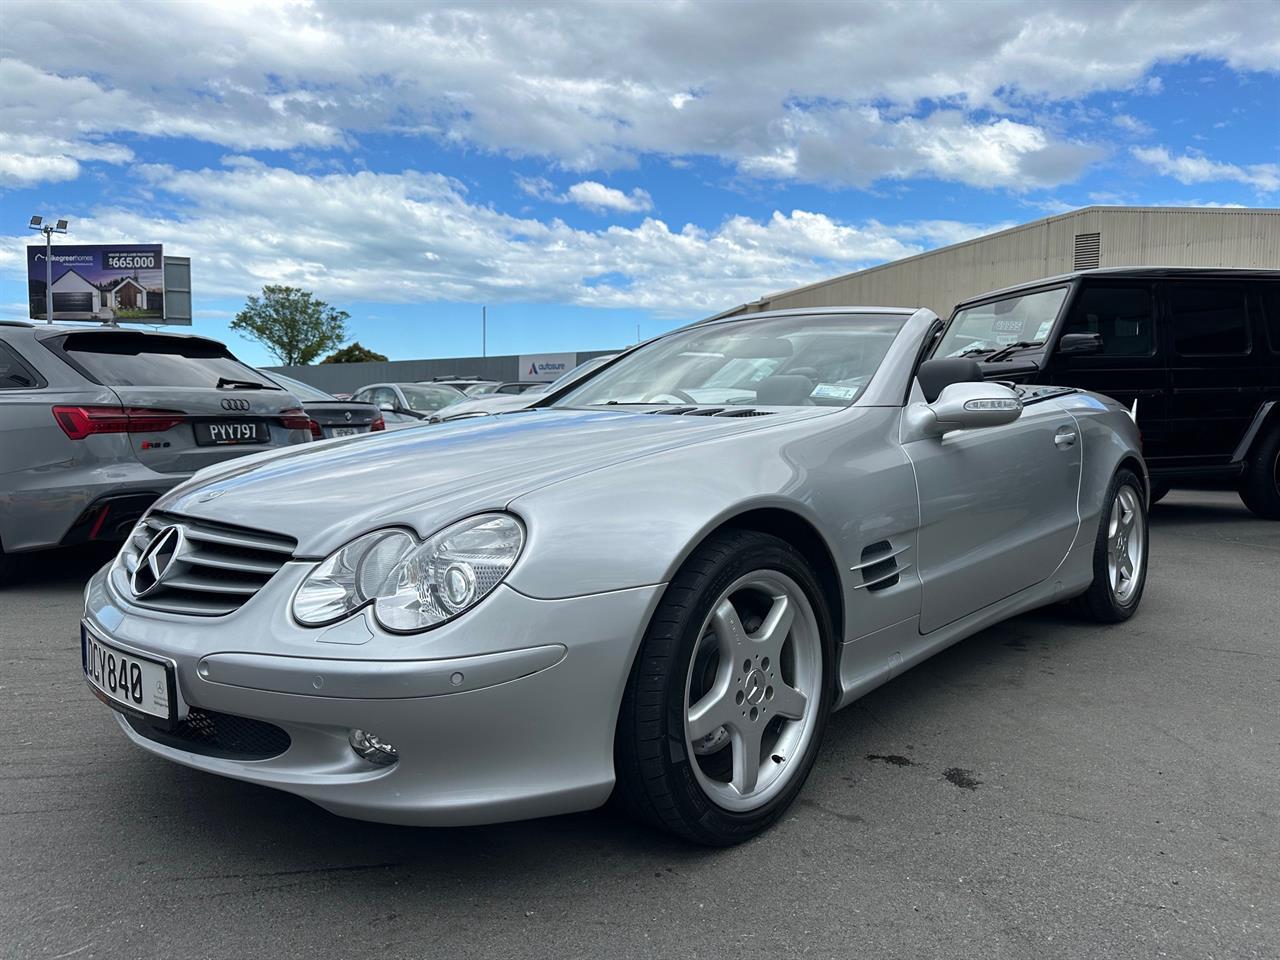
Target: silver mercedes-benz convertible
(658, 582)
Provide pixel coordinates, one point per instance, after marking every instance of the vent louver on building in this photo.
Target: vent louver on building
(1088, 251)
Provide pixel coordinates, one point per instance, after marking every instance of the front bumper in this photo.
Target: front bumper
(506, 713)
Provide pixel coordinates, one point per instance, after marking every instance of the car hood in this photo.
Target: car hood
(324, 494)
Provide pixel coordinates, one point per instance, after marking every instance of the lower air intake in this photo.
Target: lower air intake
(221, 735)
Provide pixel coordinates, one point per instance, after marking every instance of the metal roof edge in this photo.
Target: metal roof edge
(1043, 221)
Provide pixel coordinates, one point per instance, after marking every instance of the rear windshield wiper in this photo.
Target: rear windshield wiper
(229, 384)
(1008, 349)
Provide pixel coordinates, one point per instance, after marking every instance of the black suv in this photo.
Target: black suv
(1197, 351)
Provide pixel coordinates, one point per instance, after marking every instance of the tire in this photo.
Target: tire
(1158, 492)
(1260, 489)
(677, 770)
(1113, 597)
(8, 569)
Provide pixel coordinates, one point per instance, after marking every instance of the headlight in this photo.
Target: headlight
(412, 585)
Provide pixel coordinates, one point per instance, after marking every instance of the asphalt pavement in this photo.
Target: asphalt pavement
(1046, 789)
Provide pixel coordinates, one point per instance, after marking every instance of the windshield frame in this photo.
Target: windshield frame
(764, 326)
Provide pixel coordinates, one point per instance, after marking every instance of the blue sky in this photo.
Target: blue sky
(590, 171)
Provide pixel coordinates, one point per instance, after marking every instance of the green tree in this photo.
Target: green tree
(292, 324)
(354, 353)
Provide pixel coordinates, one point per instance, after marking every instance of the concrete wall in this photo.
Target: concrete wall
(1130, 236)
(349, 377)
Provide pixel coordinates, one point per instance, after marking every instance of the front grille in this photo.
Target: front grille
(222, 735)
(214, 572)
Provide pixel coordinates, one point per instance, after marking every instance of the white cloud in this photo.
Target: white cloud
(588, 193)
(598, 197)
(590, 91)
(416, 237)
(1131, 124)
(1193, 168)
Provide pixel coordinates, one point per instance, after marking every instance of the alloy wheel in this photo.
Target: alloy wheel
(1126, 535)
(753, 690)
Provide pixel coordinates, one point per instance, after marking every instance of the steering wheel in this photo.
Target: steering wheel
(678, 394)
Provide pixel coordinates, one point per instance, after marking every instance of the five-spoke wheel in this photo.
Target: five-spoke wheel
(1126, 543)
(751, 689)
(729, 694)
(1120, 552)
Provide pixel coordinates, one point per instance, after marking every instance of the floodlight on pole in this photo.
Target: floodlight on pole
(48, 229)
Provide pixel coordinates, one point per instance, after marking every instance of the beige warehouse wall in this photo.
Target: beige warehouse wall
(1130, 236)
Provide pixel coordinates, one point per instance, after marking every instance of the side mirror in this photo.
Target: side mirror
(936, 375)
(1080, 343)
(965, 406)
(387, 407)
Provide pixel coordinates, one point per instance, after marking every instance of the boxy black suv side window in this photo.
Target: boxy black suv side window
(1209, 321)
(1271, 313)
(1122, 316)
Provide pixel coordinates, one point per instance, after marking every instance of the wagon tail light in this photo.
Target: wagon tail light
(81, 422)
(297, 419)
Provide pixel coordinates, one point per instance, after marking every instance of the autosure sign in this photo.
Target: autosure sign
(546, 366)
(122, 281)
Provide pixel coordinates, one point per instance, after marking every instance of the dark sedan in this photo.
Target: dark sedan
(329, 416)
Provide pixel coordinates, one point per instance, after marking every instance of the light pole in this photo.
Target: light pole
(484, 331)
(48, 229)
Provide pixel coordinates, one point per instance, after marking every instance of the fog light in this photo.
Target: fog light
(369, 747)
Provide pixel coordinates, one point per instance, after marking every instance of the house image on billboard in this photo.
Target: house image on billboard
(128, 294)
(75, 298)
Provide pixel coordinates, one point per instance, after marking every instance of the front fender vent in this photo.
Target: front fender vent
(881, 566)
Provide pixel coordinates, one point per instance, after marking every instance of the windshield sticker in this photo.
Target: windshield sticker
(1042, 331)
(1007, 325)
(833, 391)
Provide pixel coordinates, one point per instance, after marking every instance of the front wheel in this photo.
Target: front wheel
(8, 569)
(1260, 490)
(1119, 553)
(728, 698)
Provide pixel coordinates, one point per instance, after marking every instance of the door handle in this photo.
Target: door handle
(1064, 438)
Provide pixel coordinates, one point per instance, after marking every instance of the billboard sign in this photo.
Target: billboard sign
(118, 281)
(546, 366)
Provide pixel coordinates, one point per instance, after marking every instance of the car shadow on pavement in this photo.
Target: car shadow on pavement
(62, 567)
(272, 834)
(1178, 509)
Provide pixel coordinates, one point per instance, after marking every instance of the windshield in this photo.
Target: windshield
(987, 327)
(423, 399)
(303, 391)
(780, 361)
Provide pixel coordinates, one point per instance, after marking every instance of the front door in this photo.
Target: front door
(1131, 365)
(998, 510)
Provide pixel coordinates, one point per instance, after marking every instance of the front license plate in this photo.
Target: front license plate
(127, 681)
(345, 431)
(226, 432)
